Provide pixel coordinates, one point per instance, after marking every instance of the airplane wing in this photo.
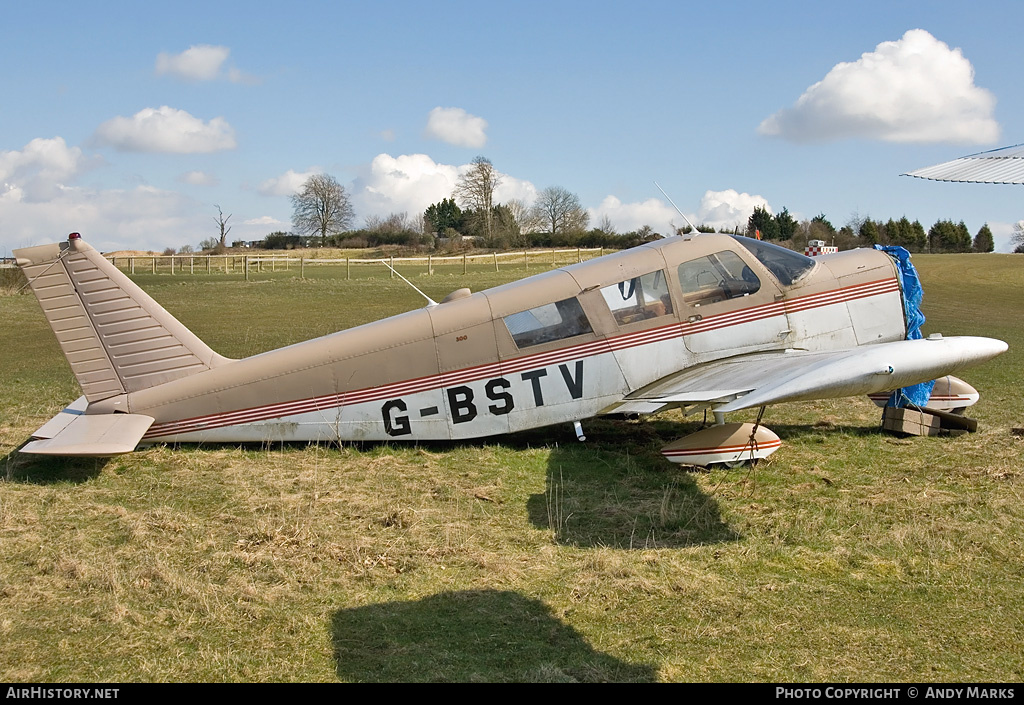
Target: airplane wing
(74, 433)
(758, 379)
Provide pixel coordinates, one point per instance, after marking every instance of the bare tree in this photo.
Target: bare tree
(606, 225)
(475, 189)
(560, 210)
(1017, 239)
(524, 216)
(393, 223)
(222, 224)
(321, 207)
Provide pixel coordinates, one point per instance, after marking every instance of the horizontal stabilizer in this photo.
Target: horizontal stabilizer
(59, 422)
(98, 435)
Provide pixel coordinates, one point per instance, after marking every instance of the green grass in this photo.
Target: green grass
(851, 556)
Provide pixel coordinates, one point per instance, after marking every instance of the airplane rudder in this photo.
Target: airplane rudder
(116, 338)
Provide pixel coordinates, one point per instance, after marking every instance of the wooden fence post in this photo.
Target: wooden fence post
(464, 265)
(392, 266)
(495, 261)
(131, 263)
(246, 262)
(302, 267)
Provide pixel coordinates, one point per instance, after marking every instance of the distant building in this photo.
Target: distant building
(818, 247)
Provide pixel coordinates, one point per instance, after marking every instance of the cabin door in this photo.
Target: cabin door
(729, 306)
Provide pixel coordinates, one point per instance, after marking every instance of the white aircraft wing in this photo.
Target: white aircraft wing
(758, 379)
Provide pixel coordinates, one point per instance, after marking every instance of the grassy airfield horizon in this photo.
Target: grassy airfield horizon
(850, 556)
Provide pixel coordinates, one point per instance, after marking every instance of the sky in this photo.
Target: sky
(132, 122)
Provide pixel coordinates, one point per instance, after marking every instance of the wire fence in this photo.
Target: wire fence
(264, 264)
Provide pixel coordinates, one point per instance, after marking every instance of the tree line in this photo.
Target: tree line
(322, 214)
(943, 236)
(469, 217)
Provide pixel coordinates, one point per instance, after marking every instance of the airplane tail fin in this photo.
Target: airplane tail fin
(116, 338)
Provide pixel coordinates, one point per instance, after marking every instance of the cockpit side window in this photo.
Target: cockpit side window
(639, 298)
(786, 265)
(716, 277)
(544, 324)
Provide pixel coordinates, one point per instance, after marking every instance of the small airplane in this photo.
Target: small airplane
(708, 322)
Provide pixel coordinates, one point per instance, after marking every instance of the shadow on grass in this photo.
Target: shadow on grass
(469, 636)
(617, 490)
(48, 470)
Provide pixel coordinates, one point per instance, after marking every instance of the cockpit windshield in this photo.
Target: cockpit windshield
(786, 265)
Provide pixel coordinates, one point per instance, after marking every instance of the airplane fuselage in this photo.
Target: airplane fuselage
(561, 346)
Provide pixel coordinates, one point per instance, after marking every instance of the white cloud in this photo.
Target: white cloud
(166, 129)
(40, 169)
(263, 220)
(141, 218)
(236, 76)
(198, 178)
(721, 209)
(511, 188)
(409, 183)
(287, 183)
(915, 89)
(631, 216)
(1002, 235)
(725, 209)
(456, 126)
(38, 204)
(201, 62)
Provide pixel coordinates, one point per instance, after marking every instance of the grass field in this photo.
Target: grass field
(851, 556)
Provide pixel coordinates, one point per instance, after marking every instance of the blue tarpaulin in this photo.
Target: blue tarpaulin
(910, 283)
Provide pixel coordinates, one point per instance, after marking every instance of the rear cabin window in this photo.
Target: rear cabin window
(717, 277)
(639, 298)
(786, 265)
(547, 323)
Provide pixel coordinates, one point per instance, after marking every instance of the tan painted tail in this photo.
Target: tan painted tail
(116, 338)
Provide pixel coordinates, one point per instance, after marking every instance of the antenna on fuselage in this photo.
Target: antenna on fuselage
(430, 301)
(692, 226)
